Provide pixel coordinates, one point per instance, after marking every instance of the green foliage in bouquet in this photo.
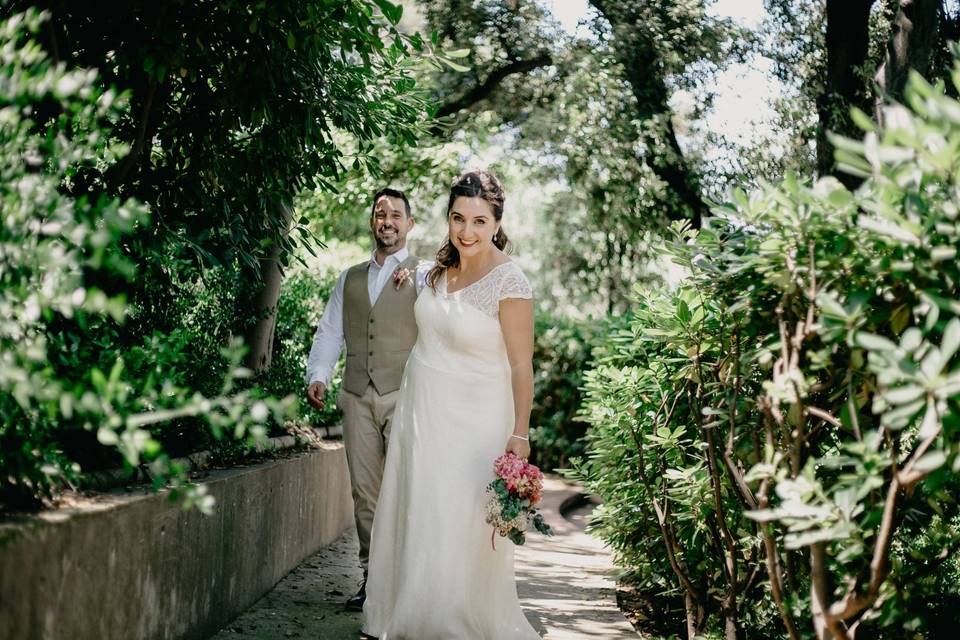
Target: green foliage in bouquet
(511, 506)
(777, 440)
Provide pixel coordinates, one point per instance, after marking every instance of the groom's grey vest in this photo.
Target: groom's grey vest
(378, 338)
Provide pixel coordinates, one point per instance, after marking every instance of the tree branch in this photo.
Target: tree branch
(736, 474)
(483, 90)
(852, 603)
(663, 524)
(823, 415)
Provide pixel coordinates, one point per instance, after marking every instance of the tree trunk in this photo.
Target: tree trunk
(696, 613)
(691, 608)
(826, 626)
(731, 625)
(847, 42)
(912, 43)
(263, 303)
(641, 66)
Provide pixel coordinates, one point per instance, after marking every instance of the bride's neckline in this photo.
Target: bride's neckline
(481, 278)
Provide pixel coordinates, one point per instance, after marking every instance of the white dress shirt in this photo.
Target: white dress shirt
(328, 341)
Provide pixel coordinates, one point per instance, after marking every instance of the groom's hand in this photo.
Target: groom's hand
(315, 395)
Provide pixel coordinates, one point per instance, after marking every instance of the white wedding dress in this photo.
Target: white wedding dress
(433, 574)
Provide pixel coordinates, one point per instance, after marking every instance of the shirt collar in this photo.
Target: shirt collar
(399, 256)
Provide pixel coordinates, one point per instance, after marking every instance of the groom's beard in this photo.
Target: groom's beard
(387, 241)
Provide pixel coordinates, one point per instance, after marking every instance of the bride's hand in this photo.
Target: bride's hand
(518, 447)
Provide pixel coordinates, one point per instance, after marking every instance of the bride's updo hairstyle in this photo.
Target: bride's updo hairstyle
(472, 184)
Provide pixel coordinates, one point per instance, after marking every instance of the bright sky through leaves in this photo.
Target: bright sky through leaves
(744, 91)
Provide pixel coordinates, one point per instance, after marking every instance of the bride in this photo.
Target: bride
(464, 400)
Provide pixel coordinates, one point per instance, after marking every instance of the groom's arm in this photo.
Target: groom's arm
(328, 340)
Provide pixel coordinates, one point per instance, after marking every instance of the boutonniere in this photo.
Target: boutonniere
(402, 276)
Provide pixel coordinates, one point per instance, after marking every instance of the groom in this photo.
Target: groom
(371, 311)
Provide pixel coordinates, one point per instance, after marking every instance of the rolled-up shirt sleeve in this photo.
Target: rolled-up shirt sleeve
(328, 341)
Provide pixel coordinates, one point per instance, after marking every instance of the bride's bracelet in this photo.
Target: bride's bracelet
(527, 438)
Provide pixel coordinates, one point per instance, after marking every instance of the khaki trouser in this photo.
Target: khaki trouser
(366, 427)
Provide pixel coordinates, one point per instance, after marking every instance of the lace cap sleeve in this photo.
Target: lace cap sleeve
(513, 284)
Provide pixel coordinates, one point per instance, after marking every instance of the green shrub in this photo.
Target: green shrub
(302, 299)
(777, 440)
(561, 355)
(653, 458)
(68, 363)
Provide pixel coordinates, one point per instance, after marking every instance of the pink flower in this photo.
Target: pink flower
(401, 276)
(521, 478)
(509, 466)
(523, 482)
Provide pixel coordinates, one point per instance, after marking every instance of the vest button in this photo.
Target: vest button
(371, 320)
(371, 353)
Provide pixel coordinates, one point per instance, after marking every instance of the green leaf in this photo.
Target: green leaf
(98, 381)
(453, 65)
(945, 304)
(763, 515)
(841, 198)
(899, 318)
(905, 394)
(931, 422)
(830, 305)
(862, 120)
(889, 228)
(901, 416)
(930, 461)
(873, 342)
(393, 12)
(837, 532)
(951, 339)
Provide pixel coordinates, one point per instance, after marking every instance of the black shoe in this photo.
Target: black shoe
(356, 602)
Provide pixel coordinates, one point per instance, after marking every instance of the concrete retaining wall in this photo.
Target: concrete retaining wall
(138, 566)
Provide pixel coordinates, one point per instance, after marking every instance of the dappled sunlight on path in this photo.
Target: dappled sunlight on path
(565, 584)
(565, 581)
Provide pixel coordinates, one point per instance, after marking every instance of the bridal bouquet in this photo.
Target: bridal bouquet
(511, 499)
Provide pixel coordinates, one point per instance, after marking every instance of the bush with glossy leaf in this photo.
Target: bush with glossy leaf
(777, 440)
(561, 355)
(63, 369)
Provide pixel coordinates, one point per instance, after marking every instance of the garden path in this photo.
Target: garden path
(565, 585)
